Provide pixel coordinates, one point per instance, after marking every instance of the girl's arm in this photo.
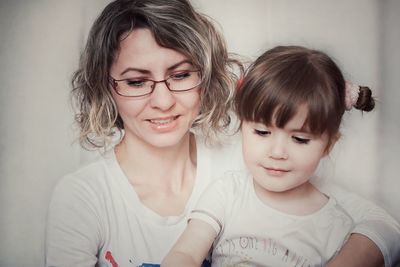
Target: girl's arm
(192, 246)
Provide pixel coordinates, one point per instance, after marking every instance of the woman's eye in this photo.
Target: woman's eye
(181, 75)
(261, 132)
(135, 82)
(300, 140)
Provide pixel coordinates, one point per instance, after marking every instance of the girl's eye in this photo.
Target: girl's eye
(262, 132)
(181, 75)
(135, 82)
(301, 140)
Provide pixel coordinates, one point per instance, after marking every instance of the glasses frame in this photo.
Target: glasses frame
(114, 85)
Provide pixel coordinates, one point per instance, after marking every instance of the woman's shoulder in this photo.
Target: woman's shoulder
(221, 141)
(232, 182)
(90, 177)
(224, 155)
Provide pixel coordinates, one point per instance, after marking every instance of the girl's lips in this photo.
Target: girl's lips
(276, 171)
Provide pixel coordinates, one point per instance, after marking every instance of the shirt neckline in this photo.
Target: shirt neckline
(133, 201)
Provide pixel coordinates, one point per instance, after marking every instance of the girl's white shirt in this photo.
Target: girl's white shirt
(251, 233)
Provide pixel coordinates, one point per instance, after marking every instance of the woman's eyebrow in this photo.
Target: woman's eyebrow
(185, 61)
(144, 71)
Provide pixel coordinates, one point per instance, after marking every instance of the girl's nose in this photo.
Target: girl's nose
(278, 148)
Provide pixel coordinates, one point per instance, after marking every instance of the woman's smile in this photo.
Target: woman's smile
(165, 124)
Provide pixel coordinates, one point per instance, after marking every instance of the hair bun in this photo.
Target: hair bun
(365, 101)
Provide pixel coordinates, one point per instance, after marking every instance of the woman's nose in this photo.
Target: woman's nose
(161, 97)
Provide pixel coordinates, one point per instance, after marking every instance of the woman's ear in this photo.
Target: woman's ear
(332, 143)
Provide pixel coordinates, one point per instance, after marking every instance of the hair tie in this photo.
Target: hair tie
(351, 95)
(239, 83)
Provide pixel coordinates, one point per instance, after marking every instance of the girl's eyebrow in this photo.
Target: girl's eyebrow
(144, 71)
(297, 130)
(303, 129)
(303, 132)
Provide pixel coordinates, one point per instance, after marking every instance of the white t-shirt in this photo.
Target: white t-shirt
(96, 217)
(252, 234)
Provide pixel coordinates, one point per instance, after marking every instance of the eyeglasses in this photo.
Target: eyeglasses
(177, 82)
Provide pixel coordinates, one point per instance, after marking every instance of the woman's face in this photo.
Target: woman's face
(162, 118)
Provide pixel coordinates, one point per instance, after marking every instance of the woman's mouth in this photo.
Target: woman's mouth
(165, 124)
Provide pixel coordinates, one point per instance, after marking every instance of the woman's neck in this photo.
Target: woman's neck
(163, 178)
(144, 163)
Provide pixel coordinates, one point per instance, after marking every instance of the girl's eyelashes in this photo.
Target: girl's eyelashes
(301, 140)
(262, 132)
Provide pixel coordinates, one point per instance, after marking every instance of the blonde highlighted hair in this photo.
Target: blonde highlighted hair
(174, 24)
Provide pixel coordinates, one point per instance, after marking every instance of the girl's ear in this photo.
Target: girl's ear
(332, 143)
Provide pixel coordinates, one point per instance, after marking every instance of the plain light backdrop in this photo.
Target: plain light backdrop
(39, 49)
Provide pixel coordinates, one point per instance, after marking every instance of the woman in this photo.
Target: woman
(157, 74)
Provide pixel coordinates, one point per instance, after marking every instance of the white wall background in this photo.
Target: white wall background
(39, 48)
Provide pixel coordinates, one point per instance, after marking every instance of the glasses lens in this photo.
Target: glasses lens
(184, 80)
(178, 81)
(134, 87)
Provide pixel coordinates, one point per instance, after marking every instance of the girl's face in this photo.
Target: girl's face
(162, 118)
(282, 160)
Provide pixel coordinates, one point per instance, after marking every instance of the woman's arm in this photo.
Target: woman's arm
(376, 236)
(192, 246)
(359, 250)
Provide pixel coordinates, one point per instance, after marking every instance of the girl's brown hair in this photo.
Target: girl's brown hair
(284, 78)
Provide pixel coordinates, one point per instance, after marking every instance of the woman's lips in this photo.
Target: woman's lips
(164, 124)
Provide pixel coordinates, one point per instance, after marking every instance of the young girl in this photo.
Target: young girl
(291, 104)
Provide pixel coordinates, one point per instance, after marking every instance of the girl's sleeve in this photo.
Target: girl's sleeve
(371, 221)
(212, 204)
(73, 229)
